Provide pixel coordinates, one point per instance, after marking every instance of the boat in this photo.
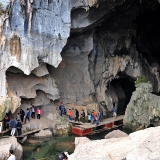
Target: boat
(84, 129)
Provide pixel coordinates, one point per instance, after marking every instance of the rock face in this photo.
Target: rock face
(44, 133)
(80, 52)
(138, 145)
(143, 107)
(8, 144)
(116, 134)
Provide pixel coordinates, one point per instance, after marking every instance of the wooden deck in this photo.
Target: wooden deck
(105, 121)
(34, 131)
(82, 129)
(5, 131)
(27, 133)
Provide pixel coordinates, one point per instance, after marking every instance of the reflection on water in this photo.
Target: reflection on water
(41, 148)
(47, 148)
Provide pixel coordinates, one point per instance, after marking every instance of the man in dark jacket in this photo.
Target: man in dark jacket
(77, 116)
(19, 128)
(13, 124)
(22, 114)
(83, 116)
(27, 116)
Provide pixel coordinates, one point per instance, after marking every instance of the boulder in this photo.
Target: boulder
(142, 145)
(5, 106)
(116, 134)
(10, 143)
(143, 108)
(44, 133)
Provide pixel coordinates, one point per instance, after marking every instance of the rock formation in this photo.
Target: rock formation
(10, 144)
(81, 52)
(143, 108)
(138, 145)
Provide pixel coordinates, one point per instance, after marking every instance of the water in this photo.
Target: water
(46, 149)
(42, 149)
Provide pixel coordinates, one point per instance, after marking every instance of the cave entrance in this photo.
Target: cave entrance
(121, 90)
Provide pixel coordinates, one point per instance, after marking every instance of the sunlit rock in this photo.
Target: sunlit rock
(7, 144)
(142, 144)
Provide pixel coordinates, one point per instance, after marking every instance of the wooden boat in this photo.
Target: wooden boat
(83, 129)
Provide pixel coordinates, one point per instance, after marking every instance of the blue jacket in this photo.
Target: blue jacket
(13, 123)
(114, 109)
(92, 116)
(28, 113)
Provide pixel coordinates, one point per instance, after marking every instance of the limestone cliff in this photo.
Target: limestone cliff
(79, 52)
(143, 108)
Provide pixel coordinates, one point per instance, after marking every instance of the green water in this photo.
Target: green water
(47, 149)
(42, 148)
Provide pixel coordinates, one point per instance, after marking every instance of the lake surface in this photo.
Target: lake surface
(46, 149)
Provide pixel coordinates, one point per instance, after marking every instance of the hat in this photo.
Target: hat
(61, 156)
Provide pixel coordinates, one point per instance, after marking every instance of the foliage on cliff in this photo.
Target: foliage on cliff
(1, 8)
(140, 79)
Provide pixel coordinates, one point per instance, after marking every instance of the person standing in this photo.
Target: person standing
(83, 116)
(101, 115)
(77, 115)
(97, 119)
(22, 114)
(89, 118)
(92, 118)
(27, 115)
(5, 121)
(18, 117)
(19, 128)
(95, 114)
(39, 113)
(33, 112)
(114, 110)
(13, 124)
(11, 155)
(61, 109)
(70, 114)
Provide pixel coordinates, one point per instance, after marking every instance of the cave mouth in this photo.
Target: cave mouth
(123, 87)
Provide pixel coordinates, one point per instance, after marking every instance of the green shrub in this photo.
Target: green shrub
(140, 79)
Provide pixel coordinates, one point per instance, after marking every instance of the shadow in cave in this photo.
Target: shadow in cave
(148, 33)
(123, 88)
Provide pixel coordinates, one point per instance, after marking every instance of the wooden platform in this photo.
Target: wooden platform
(5, 131)
(14, 136)
(89, 129)
(34, 131)
(27, 133)
(105, 121)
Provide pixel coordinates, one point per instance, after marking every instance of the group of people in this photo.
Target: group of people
(93, 117)
(21, 118)
(74, 114)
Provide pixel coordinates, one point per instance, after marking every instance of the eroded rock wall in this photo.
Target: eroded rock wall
(143, 108)
(72, 50)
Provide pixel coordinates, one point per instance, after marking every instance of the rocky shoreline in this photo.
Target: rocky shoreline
(139, 145)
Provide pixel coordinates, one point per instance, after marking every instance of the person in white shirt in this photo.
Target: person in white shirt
(11, 155)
